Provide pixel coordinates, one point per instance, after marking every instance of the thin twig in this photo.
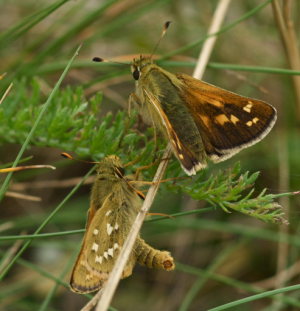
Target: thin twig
(210, 42)
(22, 196)
(6, 93)
(6, 225)
(286, 275)
(11, 253)
(289, 40)
(115, 275)
(284, 22)
(283, 247)
(65, 183)
(92, 303)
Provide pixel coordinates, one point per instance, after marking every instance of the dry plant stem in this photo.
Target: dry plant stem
(22, 196)
(210, 42)
(11, 252)
(26, 167)
(110, 287)
(283, 247)
(6, 225)
(66, 183)
(6, 93)
(289, 40)
(286, 275)
(92, 303)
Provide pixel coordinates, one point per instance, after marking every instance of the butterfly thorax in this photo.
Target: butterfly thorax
(109, 174)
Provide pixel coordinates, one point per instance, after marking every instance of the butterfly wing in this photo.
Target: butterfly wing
(161, 103)
(226, 121)
(101, 244)
(188, 158)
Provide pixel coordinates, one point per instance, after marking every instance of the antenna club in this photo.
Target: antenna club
(167, 24)
(66, 155)
(98, 59)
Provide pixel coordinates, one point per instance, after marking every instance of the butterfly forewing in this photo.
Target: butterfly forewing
(226, 121)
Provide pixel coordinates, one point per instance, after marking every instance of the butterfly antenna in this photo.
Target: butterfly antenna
(102, 60)
(68, 156)
(165, 28)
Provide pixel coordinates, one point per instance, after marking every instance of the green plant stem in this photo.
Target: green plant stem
(256, 297)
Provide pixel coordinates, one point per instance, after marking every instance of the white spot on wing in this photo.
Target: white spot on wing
(109, 229)
(108, 213)
(116, 246)
(234, 119)
(110, 252)
(248, 107)
(99, 259)
(88, 277)
(95, 232)
(116, 226)
(95, 247)
(105, 255)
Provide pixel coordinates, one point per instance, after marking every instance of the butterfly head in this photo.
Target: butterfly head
(140, 65)
(111, 165)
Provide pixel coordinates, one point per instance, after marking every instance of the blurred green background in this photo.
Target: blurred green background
(221, 257)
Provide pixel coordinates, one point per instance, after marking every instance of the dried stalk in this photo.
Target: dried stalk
(6, 93)
(286, 275)
(284, 22)
(289, 40)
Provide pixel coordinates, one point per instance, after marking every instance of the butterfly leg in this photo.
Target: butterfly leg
(146, 167)
(132, 162)
(160, 214)
(133, 100)
(142, 168)
(150, 183)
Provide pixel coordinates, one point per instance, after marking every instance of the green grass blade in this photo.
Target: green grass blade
(256, 297)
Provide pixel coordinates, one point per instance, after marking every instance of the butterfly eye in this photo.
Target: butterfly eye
(136, 74)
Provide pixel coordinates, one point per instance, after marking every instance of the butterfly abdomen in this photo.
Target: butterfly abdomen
(151, 257)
